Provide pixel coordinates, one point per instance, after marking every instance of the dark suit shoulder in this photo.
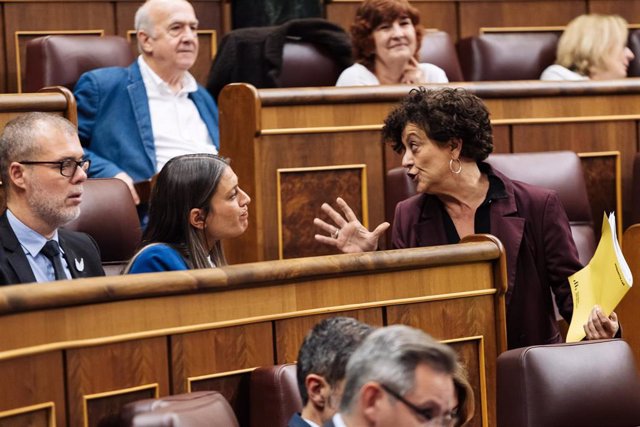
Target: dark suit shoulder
(83, 247)
(297, 421)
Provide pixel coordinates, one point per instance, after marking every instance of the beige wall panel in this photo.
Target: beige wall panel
(628, 9)
(477, 14)
(433, 14)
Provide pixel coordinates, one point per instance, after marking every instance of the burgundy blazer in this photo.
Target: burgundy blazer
(541, 254)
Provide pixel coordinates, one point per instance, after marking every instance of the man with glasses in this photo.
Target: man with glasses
(399, 376)
(132, 120)
(42, 169)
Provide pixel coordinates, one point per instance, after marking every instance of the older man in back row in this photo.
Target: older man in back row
(43, 169)
(132, 120)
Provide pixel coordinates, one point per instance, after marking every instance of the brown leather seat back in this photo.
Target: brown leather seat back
(585, 384)
(437, 48)
(199, 409)
(274, 395)
(109, 215)
(507, 56)
(558, 170)
(307, 64)
(61, 59)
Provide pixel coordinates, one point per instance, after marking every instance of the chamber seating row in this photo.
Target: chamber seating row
(493, 56)
(93, 345)
(519, 54)
(544, 385)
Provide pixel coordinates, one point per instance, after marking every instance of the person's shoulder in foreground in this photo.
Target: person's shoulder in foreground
(157, 257)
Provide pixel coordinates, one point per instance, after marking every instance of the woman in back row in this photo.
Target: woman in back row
(386, 37)
(592, 47)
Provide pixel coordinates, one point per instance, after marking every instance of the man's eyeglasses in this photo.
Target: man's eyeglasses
(446, 420)
(68, 167)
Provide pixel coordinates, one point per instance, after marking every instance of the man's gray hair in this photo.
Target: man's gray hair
(390, 356)
(143, 20)
(20, 138)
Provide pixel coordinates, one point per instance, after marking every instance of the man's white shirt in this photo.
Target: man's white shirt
(175, 120)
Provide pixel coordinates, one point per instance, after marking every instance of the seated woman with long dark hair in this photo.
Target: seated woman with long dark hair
(195, 204)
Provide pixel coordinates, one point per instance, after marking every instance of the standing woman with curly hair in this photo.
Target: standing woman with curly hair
(386, 37)
(444, 136)
(195, 204)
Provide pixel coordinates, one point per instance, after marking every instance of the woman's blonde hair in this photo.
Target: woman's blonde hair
(587, 40)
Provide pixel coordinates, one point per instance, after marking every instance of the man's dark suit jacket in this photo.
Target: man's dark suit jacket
(541, 254)
(15, 268)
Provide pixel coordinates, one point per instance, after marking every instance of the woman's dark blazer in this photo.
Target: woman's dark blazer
(540, 251)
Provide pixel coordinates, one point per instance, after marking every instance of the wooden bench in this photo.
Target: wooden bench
(76, 351)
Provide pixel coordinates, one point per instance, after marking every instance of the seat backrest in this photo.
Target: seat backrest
(507, 56)
(198, 409)
(61, 59)
(585, 384)
(558, 170)
(437, 48)
(109, 215)
(307, 64)
(274, 395)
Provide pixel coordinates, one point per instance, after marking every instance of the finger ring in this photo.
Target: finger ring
(335, 234)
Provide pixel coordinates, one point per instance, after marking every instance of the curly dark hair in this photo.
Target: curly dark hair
(443, 114)
(369, 16)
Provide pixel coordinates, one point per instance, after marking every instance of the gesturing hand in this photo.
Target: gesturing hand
(348, 235)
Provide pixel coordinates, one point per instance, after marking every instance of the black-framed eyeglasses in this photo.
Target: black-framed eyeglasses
(445, 420)
(68, 167)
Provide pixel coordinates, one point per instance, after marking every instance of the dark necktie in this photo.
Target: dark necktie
(52, 251)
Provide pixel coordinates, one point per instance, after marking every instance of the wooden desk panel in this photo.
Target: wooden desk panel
(102, 379)
(34, 385)
(130, 337)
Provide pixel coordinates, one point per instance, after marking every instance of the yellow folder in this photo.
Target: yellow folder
(604, 281)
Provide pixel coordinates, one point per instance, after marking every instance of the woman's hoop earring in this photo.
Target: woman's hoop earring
(456, 171)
